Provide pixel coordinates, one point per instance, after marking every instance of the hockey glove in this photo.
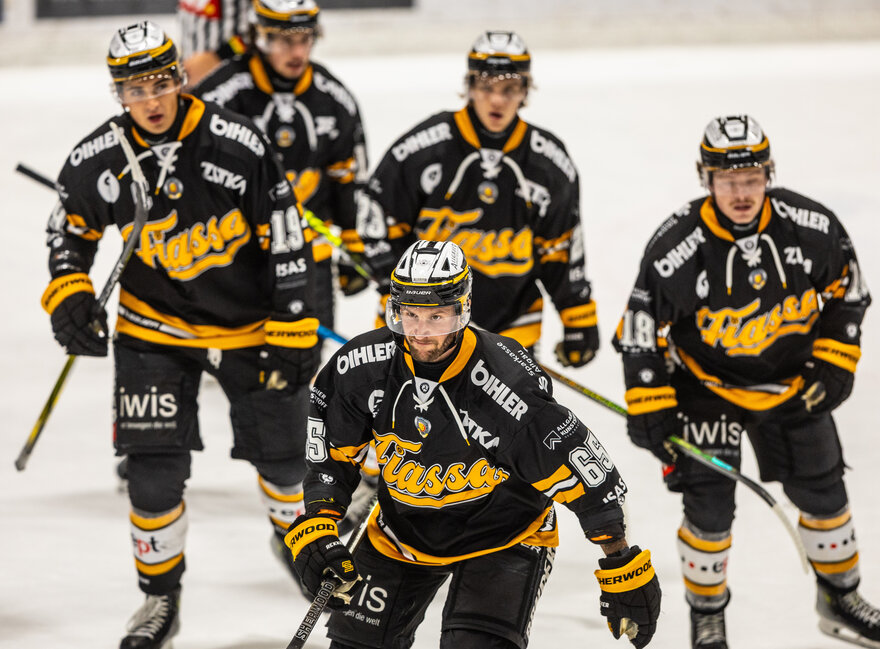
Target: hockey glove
(350, 281)
(826, 386)
(578, 346)
(649, 430)
(78, 324)
(318, 554)
(291, 354)
(630, 596)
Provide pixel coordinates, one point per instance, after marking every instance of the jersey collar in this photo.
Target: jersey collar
(469, 133)
(465, 351)
(710, 218)
(261, 77)
(194, 111)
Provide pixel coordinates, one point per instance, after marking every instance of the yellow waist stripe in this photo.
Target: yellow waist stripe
(749, 399)
(387, 547)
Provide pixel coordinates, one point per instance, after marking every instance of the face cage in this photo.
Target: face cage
(705, 173)
(175, 73)
(453, 323)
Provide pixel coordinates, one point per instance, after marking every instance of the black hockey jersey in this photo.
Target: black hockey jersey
(223, 248)
(469, 464)
(511, 205)
(315, 128)
(742, 314)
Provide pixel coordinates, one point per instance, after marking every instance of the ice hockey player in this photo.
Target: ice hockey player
(311, 119)
(473, 451)
(220, 282)
(211, 31)
(746, 317)
(504, 190)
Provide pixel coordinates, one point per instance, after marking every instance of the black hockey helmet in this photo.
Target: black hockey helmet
(500, 54)
(733, 142)
(275, 16)
(141, 50)
(430, 274)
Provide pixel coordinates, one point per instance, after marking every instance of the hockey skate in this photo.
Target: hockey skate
(707, 630)
(846, 616)
(155, 623)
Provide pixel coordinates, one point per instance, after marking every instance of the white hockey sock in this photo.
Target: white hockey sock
(704, 566)
(831, 547)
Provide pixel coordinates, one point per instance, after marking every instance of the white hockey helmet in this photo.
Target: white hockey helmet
(733, 142)
(430, 274)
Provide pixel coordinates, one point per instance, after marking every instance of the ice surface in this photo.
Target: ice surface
(632, 120)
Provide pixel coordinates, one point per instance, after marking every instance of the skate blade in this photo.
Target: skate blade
(843, 632)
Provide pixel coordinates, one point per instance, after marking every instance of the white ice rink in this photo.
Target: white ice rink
(632, 121)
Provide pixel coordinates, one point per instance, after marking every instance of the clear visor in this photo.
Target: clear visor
(146, 87)
(749, 180)
(422, 321)
(281, 41)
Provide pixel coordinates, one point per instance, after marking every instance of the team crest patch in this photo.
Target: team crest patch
(758, 278)
(423, 426)
(173, 188)
(488, 192)
(284, 136)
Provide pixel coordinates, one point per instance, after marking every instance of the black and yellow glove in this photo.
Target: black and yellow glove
(630, 596)
(318, 553)
(829, 376)
(351, 282)
(580, 337)
(291, 354)
(78, 324)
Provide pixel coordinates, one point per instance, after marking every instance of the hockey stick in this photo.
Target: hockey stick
(336, 241)
(325, 592)
(141, 212)
(598, 398)
(703, 458)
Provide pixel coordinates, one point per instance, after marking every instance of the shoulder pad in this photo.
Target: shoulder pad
(237, 129)
(433, 131)
(546, 144)
(98, 141)
(372, 349)
(801, 211)
(329, 85)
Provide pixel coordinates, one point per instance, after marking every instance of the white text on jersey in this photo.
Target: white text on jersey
(367, 354)
(495, 388)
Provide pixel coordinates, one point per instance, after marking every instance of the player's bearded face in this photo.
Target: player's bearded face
(152, 102)
(739, 193)
(288, 52)
(496, 100)
(427, 331)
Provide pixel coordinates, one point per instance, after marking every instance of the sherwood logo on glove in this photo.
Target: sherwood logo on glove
(633, 575)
